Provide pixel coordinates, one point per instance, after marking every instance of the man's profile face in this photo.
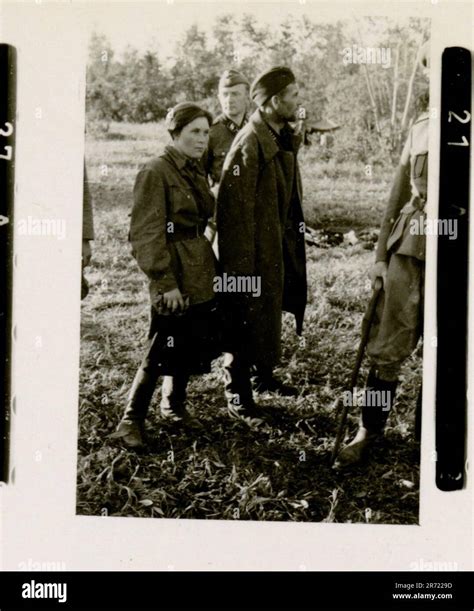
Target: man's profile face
(287, 102)
(233, 100)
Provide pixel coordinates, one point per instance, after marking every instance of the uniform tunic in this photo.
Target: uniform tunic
(221, 135)
(399, 318)
(172, 203)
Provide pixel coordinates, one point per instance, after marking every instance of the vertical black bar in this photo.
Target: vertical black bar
(7, 188)
(452, 274)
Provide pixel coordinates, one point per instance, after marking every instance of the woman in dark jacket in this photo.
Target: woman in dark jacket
(172, 205)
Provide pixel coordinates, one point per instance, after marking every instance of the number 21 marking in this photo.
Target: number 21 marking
(466, 119)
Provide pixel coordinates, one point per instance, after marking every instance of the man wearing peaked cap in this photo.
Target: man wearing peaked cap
(233, 94)
(261, 237)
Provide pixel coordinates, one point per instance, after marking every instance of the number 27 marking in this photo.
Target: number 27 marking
(8, 156)
(8, 131)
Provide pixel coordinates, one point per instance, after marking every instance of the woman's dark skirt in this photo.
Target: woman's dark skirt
(185, 343)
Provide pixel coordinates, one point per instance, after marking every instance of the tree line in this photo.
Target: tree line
(373, 103)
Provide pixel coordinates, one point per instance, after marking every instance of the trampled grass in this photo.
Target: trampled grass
(229, 471)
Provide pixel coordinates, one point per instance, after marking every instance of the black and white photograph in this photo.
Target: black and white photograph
(234, 305)
(253, 262)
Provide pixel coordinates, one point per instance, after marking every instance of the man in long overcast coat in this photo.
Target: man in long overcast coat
(261, 235)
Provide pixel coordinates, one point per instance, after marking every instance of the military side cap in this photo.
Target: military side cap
(232, 77)
(270, 83)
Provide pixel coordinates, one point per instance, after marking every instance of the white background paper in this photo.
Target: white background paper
(38, 521)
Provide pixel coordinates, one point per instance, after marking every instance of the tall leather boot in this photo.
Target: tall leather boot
(173, 401)
(378, 400)
(238, 391)
(130, 428)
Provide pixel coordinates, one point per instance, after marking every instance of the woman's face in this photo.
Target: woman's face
(193, 139)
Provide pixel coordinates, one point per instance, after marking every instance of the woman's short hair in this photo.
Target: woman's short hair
(183, 113)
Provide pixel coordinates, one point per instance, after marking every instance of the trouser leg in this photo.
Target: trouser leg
(394, 335)
(398, 319)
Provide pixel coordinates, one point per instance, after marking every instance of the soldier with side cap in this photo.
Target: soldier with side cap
(233, 94)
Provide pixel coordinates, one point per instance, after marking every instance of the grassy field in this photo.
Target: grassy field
(228, 471)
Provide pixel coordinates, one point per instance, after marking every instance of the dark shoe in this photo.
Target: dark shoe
(275, 386)
(130, 433)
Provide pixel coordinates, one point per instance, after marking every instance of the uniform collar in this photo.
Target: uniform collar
(267, 139)
(180, 160)
(269, 145)
(231, 125)
(175, 156)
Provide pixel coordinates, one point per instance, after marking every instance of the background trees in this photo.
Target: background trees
(373, 104)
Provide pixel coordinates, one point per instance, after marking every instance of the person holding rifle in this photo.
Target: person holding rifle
(400, 264)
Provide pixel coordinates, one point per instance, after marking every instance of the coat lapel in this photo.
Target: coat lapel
(269, 147)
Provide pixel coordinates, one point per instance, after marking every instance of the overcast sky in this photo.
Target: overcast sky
(158, 24)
